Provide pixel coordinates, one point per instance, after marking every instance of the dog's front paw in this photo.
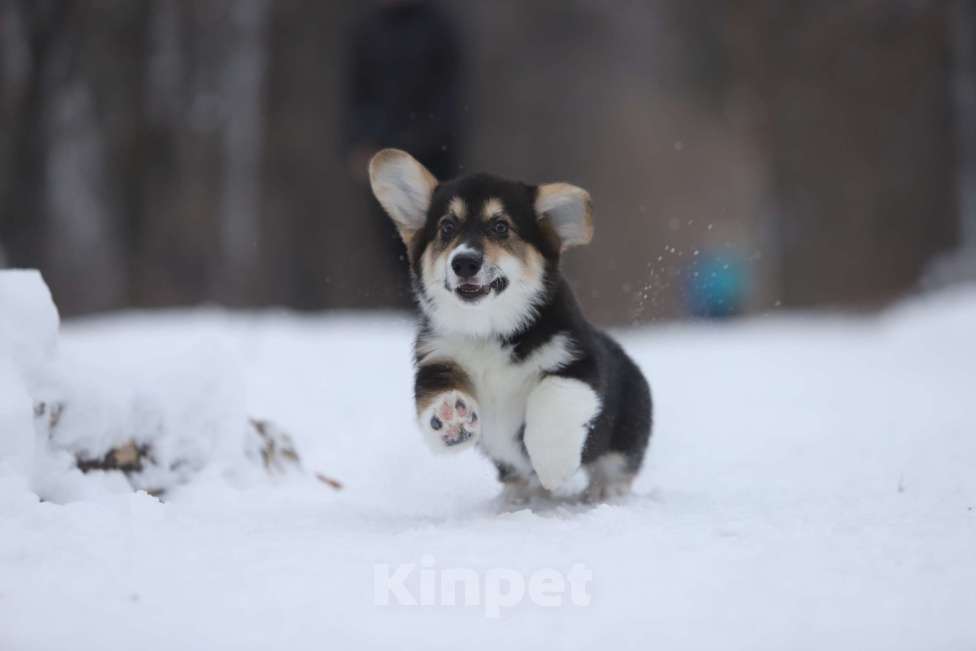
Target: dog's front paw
(451, 421)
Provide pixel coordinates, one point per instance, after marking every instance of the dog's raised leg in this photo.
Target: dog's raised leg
(558, 416)
(447, 411)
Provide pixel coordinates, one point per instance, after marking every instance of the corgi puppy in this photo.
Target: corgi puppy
(505, 359)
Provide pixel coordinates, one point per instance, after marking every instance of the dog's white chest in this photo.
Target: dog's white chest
(502, 386)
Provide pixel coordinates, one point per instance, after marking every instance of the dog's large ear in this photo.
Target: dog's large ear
(567, 209)
(403, 187)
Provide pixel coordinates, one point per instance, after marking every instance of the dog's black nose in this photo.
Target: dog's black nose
(466, 265)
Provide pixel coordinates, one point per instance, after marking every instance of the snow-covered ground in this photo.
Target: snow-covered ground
(811, 485)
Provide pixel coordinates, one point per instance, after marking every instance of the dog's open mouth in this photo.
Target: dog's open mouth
(472, 292)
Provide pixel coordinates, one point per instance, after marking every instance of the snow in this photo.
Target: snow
(28, 340)
(184, 404)
(810, 485)
(28, 320)
(16, 426)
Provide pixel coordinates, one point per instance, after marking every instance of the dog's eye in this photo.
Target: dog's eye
(448, 226)
(499, 227)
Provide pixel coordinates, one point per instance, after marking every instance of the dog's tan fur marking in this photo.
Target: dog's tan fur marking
(532, 261)
(458, 208)
(535, 264)
(493, 208)
(427, 262)
(454, 379)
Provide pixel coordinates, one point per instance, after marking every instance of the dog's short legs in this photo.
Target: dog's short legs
(447, 411)
(521, 491)
(609, 477)
(558, 416)
(517, 489)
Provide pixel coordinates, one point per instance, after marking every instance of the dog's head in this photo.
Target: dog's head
(482, 249)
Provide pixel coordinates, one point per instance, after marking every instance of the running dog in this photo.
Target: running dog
(505, 359)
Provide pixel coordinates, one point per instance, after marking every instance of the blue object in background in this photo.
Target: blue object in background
(718, 285)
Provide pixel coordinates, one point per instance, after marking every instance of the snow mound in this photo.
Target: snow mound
(28, 341)
(75, 426)
(28, 321)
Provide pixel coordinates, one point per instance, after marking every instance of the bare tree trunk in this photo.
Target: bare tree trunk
(964, 41)
(59, 213)
(32, 32)
(242, 89)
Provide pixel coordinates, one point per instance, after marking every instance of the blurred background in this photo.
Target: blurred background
(742, 157)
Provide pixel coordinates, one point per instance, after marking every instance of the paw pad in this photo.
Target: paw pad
(454, 418)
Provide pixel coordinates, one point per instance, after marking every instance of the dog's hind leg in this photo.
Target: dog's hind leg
(609, 476)
(517, 488)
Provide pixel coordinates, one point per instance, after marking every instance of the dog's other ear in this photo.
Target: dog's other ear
(567, 209)
(403, 187)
